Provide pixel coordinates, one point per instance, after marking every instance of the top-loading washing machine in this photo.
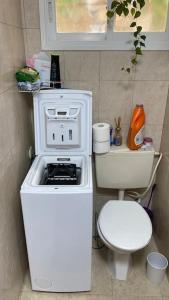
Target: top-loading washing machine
(57, 193)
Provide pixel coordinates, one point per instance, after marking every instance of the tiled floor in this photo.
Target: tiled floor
(105, 288)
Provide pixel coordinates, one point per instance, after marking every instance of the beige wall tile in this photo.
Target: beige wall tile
(111, 63)
(102, 199)
(161, 207)
(10, 12)
(154, 131)
(115, 100)
(18, 48)
(12, 53)
(89, 86)
(153, 94)
(6, 65)
(32, 19)
(82, 65)
(9, 256)
(32, 42)
(15, 121)
(15, 136)
(165, 133)
(9, 295)
(153, 65)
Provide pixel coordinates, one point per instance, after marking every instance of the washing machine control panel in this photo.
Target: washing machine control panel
(62, 126)
(63, 122)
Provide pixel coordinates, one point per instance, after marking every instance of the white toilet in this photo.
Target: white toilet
(123, 226)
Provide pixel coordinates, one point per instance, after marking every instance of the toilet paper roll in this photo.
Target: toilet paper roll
(102, 147)
(101, 132)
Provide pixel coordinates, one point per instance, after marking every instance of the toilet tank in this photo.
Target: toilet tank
(122, 168)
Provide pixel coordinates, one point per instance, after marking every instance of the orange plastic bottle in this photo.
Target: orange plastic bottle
(135, 135)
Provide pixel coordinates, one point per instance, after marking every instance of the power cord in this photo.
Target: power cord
(96, 239)
(137, 196)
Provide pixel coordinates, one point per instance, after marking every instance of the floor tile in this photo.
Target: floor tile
(27, 283)
(137, 298)
(138, 284)
(101, 277)
(43, 296)
(48, 296)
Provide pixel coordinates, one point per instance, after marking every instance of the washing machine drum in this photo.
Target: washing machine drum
(61, 174)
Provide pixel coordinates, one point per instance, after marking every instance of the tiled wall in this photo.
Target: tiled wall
(15, 137)
(161, 200)
(114, 92)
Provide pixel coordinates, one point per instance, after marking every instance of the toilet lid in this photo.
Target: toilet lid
(125, 225)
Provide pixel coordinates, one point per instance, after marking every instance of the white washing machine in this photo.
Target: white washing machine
(57, 193)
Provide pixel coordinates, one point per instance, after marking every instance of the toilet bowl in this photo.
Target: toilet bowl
(124, 227)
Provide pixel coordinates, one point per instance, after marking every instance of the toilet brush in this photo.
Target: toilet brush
(147, 208)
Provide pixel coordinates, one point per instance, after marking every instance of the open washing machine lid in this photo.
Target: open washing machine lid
(63, 122)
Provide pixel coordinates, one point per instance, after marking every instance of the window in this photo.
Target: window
(83, 25)
(76, 16)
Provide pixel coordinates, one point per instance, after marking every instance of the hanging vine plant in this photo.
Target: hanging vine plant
(130, 8)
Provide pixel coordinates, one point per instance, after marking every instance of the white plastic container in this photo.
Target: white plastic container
(156, 267)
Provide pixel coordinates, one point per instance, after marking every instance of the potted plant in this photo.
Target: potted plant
(132, 8)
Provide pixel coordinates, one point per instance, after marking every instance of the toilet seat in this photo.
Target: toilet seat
(125, 225)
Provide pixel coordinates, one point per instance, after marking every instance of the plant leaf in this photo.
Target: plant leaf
(133, 24)
(110, 14)
(134, 61)
(119, 10)
(125, 11)
(142, 3)
(142, 44)
(139, 29)
(135, 34)
(143, 37)
(137, 14)
(133, 11)
(134, 4)
(135, 43)
(138, 51)
(128, 70)
(114, 4)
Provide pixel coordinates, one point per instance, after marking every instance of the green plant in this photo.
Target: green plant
(133, 8)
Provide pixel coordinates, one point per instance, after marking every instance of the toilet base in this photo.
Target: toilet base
(119, 264)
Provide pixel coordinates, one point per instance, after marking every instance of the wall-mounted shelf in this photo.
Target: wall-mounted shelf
(47, 85)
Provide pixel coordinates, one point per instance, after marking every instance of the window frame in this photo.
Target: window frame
(50, 40)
